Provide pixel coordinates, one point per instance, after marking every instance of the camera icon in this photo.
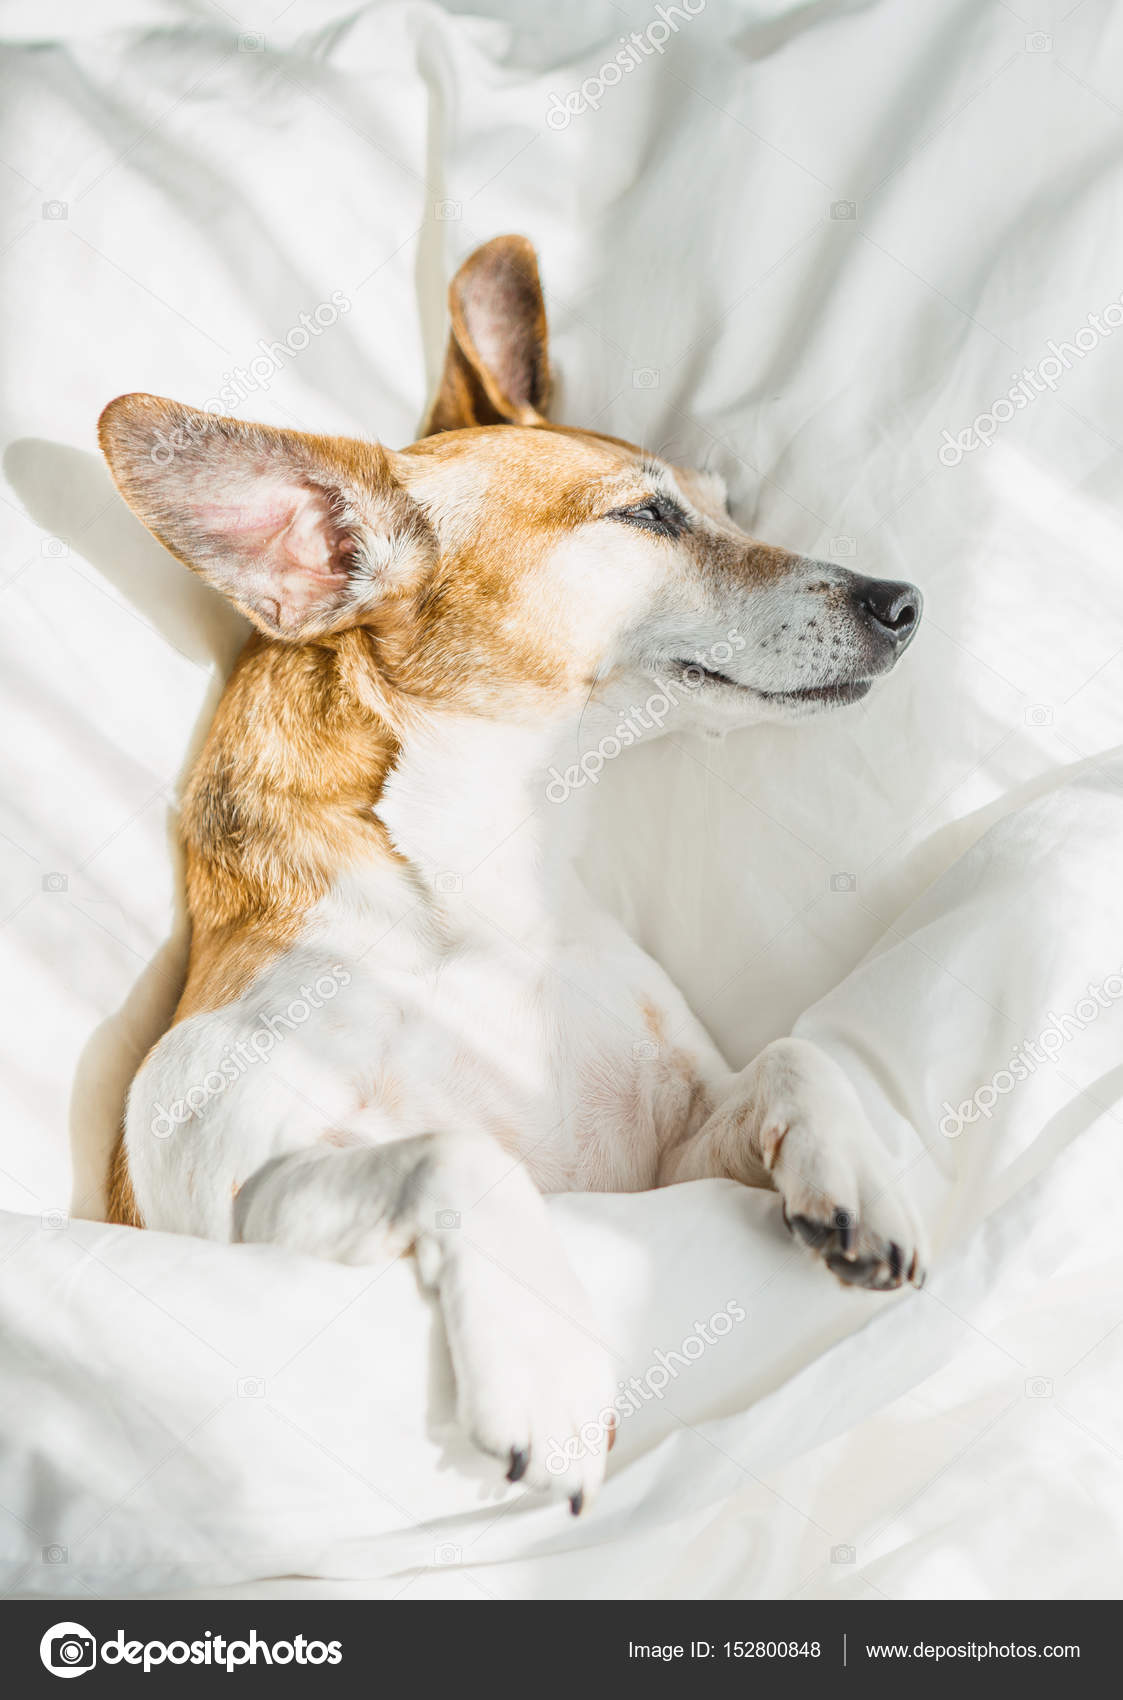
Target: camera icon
(1039, 42)
(843, 547)
(55, 882)
(645, 378)
(1041, 714)
(447, 1553)
(68, 1649)
(644, 1049)
(844, 209)
(448, 883)
(1039, 1387)
(844, 882)
(55, 1554)
(250, 1387)
(447, 1219)
(54, 1219)
(56, 209)
(844, 1554)
(54, 547)
(251, 41)
(446, 210)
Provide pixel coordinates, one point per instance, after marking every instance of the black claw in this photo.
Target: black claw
(854, 1271)
(576, 1502)
(811, 1233)
(896, 1260)
(519, 1461)
(845, 1231)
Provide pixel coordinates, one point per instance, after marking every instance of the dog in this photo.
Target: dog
(403, 1019)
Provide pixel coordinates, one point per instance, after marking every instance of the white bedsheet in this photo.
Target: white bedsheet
(180, 1416)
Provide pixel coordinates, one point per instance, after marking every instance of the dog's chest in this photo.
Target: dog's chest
(563, 1049)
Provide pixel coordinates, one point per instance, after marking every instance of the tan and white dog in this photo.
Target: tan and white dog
(377, 882)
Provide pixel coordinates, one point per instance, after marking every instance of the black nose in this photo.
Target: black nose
(891, 605)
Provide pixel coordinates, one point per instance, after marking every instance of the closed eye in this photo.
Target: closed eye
(657, 514)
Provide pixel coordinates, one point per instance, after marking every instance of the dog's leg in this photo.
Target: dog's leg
(530, 1368)
(792, 1120)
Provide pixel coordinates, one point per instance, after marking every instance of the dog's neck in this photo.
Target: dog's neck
(467, 805)
(308, 795)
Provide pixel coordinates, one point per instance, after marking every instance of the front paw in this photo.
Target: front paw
(534, 1381)
(840, 1199)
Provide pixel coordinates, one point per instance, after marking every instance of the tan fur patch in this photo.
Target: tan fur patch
(121, 1207)
(281, 799)
(655, 1021)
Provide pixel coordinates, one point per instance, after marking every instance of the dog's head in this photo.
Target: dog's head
(503, 565)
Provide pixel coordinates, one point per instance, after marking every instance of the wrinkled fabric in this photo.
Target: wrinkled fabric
(860, 258)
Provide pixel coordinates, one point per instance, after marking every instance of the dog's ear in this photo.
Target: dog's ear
(496, 369)
(304, 534)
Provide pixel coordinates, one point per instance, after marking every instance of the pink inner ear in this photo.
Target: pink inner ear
(289, 556)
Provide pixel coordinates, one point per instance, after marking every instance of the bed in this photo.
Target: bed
(862, 258)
